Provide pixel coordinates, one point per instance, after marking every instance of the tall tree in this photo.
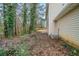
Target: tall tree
(24, 15)
(9, 19)
(47, 7)
(5, 20)
(32, 17)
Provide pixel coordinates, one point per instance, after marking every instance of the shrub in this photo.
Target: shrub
(72, 51)
(2, 52)
(20, 50)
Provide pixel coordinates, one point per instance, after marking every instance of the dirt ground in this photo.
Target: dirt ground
(40, 44)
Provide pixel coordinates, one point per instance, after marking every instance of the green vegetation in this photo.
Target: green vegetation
(9, 19)
(17, 20)
(1, 29)
(33, 17)
(72, 51)
(24, 15)
(20, 18)
(2, 52)
(20, 50)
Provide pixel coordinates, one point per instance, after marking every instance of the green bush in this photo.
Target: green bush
(20, 50)
(2, 52)
(72, 51)
(11, 52)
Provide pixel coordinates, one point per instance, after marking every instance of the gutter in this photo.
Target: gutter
(66, 10)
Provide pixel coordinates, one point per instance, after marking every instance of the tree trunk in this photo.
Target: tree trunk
(32, 17)
(9, 19)
(47, 6)
(24, 18)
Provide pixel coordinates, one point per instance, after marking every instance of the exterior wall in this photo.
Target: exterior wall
(54, 11)
(65, 17)
(69, 27)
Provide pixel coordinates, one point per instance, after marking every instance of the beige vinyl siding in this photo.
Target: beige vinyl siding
(69, 26)
(54, 10)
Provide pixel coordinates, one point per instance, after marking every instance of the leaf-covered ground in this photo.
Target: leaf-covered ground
(39, 44)
(42, 45)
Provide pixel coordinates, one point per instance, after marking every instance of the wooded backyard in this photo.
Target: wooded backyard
(23, 32)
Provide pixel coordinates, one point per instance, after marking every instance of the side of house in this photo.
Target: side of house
(64, 20)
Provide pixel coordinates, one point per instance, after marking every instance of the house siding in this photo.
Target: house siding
(69, 27)
(54, 10)
(64, 20)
